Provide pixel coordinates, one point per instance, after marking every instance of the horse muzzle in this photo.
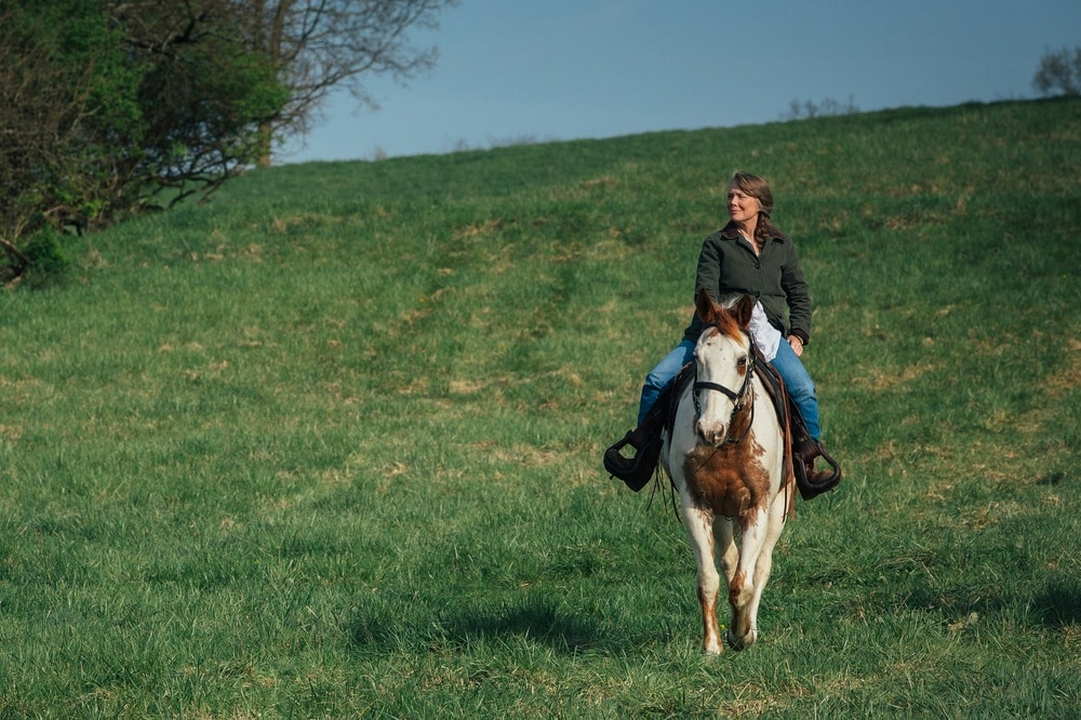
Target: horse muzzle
(711, 433)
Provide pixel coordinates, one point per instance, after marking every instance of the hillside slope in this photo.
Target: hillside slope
(330, 444)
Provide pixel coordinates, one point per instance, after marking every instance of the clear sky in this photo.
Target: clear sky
(566, 69)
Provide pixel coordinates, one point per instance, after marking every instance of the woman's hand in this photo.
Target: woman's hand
(796, 343)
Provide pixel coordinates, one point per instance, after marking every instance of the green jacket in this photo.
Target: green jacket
(727, 265)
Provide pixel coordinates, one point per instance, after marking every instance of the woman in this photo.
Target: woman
(748, 256)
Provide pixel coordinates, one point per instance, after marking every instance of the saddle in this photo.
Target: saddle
(800, 448)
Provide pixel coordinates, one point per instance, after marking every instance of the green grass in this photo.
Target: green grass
(329, 446)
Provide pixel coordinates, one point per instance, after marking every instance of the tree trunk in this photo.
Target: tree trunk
(19, 262)
(273, 50)
(266, 134)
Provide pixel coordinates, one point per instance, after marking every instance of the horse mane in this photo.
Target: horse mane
(730, 316)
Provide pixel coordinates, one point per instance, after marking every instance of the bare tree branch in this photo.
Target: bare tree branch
(318, 45)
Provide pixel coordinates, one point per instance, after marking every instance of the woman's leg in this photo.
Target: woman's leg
(800, 386)
(659, 377)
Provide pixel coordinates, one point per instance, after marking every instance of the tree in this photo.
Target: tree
(109, 107)
(204, 91)
(318, 45)
(1059, 71)
(62, 79)
(808, 109)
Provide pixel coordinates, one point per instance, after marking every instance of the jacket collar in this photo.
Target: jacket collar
(731, 232)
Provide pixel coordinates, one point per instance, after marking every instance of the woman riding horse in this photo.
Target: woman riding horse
(749, 255)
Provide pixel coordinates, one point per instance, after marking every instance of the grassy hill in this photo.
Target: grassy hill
(329, 446)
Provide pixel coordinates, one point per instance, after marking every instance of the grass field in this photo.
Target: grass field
(330, 445)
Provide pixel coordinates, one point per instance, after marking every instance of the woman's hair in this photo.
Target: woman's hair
(758, 188)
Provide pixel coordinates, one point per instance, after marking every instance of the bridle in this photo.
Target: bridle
(739, 397)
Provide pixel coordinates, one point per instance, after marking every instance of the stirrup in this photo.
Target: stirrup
(811, 482)
(634, 472)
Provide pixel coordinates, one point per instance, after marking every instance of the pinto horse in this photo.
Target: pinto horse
(725, 456)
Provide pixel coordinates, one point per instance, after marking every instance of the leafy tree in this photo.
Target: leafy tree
(61, 76)
(203, 91)
(109, 107)
(318, 45)
(1059, 71)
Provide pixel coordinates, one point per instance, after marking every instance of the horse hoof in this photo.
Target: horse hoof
(740, 643)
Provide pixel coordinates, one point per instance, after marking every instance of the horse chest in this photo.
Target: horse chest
(730, 481)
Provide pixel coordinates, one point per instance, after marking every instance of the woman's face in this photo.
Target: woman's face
(741, 206)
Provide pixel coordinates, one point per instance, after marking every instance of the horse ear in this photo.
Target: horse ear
(743, 309)
(707, 309)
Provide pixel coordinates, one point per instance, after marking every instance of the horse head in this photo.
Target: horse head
(723, 364)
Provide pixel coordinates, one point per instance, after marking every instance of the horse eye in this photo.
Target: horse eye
(742, 362)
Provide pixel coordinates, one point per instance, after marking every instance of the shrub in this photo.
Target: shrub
(1059, 72)
(48, 259)
(798, 109)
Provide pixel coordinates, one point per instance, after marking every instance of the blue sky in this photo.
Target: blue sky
(558, 69)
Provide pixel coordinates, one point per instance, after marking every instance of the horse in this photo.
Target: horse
(725, 456)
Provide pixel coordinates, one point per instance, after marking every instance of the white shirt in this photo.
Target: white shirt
(766, 337)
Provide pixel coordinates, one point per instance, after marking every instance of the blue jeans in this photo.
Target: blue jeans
(799, 385)
(796, 379)
(660, 376)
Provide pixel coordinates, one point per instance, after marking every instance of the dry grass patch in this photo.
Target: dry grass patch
(1069, 378)
(27, 391)
(604, 181)
(991, 514)
(500, 261)
(488, 227)
(203, 713)
(284, 225)
(604, 246)
(752, 700)
(465, 387)
(567, 372)
(414, 315)
(413, 386)
(880, 379)
(518, 454)
(335, 478)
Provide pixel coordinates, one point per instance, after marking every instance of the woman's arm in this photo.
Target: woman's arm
(799, 298)
(708, 275)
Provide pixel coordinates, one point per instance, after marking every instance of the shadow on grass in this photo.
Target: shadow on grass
(533, 620)
(1060, 603)
(537, 620)
(1057, 605)
(952, 601)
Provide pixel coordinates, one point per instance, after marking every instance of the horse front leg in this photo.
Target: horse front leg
(762, 569)
(724, 535)
(743, 631)
(699, 524)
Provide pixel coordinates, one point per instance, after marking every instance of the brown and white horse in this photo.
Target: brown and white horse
(725, 456)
